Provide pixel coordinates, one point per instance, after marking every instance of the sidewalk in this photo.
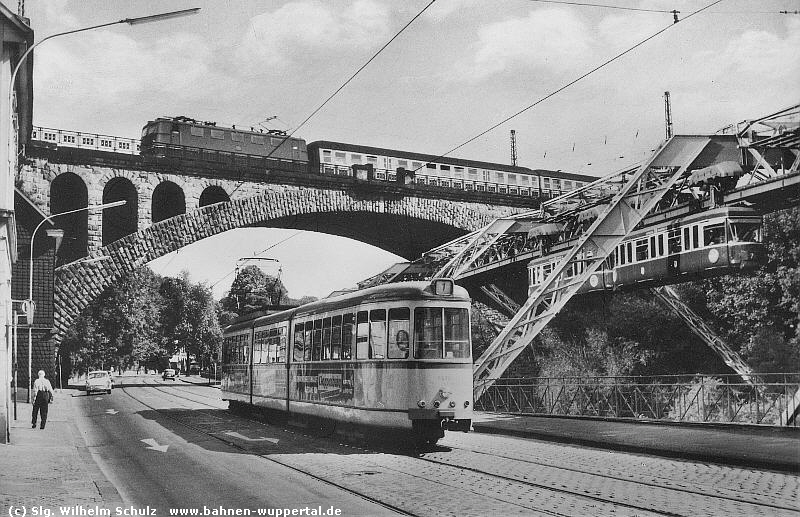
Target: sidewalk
(776, 448)
(51, 467)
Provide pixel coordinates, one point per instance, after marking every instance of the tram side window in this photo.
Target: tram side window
(674, 240)
(427, 333)
(298, 343)
(714, 234)
(456, 333)
(347, 335)
(377, 333)
(399, 332)
(282, 337)
(362, 335)
(307, 333)
(695, 236)
(326, 338)
(653, 246)
(687, 245)
(336, 337)
(641, 250)
(257, 344)
(660, 244)
(272, 350)
(316, 341)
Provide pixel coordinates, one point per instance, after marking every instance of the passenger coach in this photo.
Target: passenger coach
(395, 357)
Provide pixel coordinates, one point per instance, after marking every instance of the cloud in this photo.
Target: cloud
(546, 39)
(278, 37)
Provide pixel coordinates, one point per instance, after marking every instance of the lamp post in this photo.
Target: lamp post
(12, 151)
(30, 276)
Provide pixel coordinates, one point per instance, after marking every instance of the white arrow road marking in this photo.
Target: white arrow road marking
(112, 411)
(245, 438)
(154, 445)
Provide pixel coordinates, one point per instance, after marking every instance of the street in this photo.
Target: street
(155, 461)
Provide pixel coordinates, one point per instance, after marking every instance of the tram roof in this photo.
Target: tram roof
(385, 292)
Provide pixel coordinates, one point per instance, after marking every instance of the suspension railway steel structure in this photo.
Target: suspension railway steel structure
(755, 163)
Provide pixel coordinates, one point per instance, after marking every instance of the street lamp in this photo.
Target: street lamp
(130, 21)
(49, 218)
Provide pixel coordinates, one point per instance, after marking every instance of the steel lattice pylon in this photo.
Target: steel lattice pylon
(643, 190)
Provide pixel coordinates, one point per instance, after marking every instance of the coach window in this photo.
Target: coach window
(326, 338)
(217, 134)
(695, 236)
(399, 332)
(377, 333)
(258, 140)
(336, 337)
(307, 333)
(298, 343)
(326, 156)
(347, 335)
(456, 333)
(355, 158)
(197, 131)
(641, 250)
(237, 137)
(362, 335)
(714, 234)
(316, 341)
(416, 165)
(674, 240)
(373, 160)
(427, 333)
(340, 158)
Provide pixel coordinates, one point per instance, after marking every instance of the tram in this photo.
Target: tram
(394, 357)
(711, 243)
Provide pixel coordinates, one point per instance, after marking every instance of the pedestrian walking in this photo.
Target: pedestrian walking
(44, 396)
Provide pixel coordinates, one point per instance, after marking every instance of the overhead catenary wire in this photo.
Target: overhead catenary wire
(571, 83)
(589, 4)
(232, 271)
(344, 84)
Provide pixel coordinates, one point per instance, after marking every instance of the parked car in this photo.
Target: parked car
(99, 380)
(169, 373)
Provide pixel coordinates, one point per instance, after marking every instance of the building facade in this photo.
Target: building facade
(16, 113)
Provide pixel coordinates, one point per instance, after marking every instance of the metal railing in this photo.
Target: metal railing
(699, 398)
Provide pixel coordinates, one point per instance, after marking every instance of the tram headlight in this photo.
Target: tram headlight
(421, 403)
(435, 403)
(466, 403)
(452, 403)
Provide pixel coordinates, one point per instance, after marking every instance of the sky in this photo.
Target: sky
(463, 66)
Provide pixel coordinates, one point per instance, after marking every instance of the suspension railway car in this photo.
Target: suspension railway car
(396, 358)
(711, 243)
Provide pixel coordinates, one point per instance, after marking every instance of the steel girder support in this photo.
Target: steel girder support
(669, 297)
(479, 243)
(635, 199)
(503, 300)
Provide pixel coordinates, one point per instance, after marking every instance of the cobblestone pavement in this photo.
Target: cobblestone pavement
(50, 467)
(474, 474)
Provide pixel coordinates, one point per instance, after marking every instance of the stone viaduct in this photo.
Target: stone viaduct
(167, 210)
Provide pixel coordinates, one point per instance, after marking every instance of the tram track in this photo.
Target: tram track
(233, 444)
(470, 470)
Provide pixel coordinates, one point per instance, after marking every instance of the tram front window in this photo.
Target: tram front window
(714, 234)
(456, 333)
(745, 232)
(428, 333)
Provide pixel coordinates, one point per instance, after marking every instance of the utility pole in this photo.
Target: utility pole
(513, 148)
(668, 115)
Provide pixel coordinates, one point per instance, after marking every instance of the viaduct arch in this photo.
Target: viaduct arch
(406, 226)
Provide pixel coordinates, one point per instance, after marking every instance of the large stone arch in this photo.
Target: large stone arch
(79, 283)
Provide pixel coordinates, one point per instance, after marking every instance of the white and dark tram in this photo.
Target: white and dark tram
(394, 357)
(711, 243)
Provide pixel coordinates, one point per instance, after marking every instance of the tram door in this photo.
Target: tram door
(674, 248)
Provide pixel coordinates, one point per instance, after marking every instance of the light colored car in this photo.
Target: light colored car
(99, 380)
(169, 373)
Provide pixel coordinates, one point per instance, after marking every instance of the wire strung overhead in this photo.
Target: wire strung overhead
(232, 271)
(344, 84)
(587, 4)
(571, 83)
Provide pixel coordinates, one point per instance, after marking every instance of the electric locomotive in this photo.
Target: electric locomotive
(711, 243)
(396, 358)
